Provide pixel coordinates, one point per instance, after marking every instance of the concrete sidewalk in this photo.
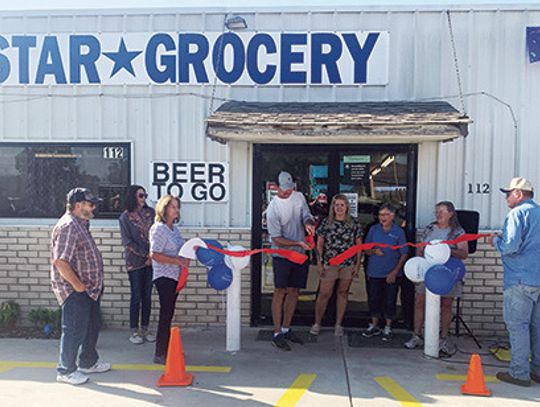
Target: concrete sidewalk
(325, 373)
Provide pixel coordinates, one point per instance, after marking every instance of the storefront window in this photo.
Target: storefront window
(369, 180)
(35, 177)
(368, 175)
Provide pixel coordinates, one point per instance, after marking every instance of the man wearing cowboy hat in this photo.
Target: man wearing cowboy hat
(519, 245)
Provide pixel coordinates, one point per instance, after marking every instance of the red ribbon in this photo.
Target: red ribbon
(182, 279)
(291, 255)
(350, 252)
(300, 258)
(310, 241)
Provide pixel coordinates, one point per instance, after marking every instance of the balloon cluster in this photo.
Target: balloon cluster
(220, 273)
(436, 269)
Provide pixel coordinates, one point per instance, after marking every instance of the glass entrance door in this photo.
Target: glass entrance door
(367, 175)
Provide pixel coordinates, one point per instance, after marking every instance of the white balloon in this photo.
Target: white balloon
(187, 250)
(415, 269)
(437, 253)
(236, 263)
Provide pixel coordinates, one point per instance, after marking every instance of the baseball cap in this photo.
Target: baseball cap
(81, 195)
(285, 180)
(518, 183)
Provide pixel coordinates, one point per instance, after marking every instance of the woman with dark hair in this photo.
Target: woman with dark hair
(384, 272)
(335, 234)
(135, 223)
(445, 227)
(165, 243)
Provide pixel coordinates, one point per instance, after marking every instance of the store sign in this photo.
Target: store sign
(191, 181)
(299, 58)
(356, 169)
(352, 197)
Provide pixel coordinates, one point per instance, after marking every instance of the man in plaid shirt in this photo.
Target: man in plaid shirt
(77, 283)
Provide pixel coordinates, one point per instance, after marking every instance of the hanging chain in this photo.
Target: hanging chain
(456, 65)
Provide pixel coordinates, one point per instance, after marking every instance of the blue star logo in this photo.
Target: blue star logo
(122, 59)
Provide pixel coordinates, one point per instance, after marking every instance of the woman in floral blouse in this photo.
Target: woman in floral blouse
(335, 234)
(135, 223)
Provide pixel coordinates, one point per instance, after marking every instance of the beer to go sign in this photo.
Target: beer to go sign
(191, 181)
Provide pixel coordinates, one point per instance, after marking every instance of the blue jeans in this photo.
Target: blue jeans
(81, 321)
(140, 281)
(522, 318)
(382, 297)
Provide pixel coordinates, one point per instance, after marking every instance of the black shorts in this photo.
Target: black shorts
(289, 274)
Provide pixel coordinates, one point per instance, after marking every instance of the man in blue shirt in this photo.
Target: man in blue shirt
(519, 246)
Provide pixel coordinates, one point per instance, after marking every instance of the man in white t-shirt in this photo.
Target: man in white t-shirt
(288, 219)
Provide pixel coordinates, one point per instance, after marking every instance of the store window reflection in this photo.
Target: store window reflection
(34, 177)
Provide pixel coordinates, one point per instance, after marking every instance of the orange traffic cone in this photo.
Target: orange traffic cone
(475, 384)
(175, 368)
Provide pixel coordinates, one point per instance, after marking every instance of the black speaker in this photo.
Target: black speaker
(469, 221)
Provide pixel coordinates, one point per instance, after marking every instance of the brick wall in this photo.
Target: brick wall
(24, 277)
(25, 268)
(482, 303)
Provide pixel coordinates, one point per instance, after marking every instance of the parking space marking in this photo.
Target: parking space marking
(405, 398)
(461, 378)
(296, 391)
(5, 366)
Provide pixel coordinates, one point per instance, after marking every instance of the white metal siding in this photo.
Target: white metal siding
(491, 52)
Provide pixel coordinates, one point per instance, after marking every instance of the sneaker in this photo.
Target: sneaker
(291, 336)
(149, 337)
(387, 334)
(535, 378)
(508, 378)
(445, 350)
(136, 339)
(74, 378)
(371, 331)
(280, 342)
(99, 367)
(315, 329)
(414, 342)
(338, 330)
(160, 360)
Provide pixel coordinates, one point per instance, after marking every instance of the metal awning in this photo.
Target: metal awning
(359, 122)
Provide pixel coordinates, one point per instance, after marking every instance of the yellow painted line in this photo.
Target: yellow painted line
(296, 391)
(5, 366)
(462, 378)
(405, 398)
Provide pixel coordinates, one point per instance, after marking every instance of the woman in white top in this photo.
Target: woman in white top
(165, 243)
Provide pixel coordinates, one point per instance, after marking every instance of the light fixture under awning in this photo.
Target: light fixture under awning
(359, 122)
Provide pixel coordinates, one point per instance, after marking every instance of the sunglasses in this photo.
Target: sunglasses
(508, 193)
(143, 195)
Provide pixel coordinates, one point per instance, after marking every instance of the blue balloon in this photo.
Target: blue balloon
(209, 257)
(220, 277)
(439, 279)
(47, 329)
(457, 266)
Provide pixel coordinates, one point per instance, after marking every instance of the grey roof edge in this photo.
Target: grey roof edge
(287, 138)
(302, 114)
(251, 107)
(261, 121)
